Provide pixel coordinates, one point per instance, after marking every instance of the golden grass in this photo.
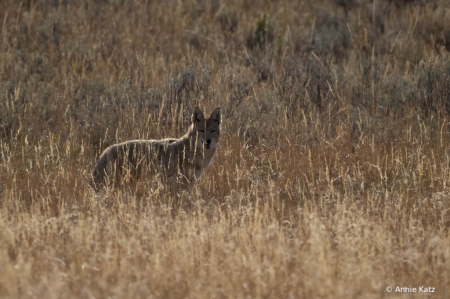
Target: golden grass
(333, 171)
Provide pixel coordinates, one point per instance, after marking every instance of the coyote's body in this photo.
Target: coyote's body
(188, 156)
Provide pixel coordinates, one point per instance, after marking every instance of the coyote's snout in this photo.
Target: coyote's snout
(188, 156)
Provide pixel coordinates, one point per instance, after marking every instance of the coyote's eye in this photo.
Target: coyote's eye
(201, 131)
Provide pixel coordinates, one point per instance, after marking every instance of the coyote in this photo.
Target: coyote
(188, 156)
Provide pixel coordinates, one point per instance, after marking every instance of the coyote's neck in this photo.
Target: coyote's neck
(187, 141)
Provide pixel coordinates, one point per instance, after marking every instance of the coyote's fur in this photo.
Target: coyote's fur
(187, 157)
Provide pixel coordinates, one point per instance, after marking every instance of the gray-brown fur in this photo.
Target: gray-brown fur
(188, 156)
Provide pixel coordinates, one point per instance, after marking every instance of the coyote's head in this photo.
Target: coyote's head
(207, 130)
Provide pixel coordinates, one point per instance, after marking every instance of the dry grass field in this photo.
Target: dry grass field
(333, 171)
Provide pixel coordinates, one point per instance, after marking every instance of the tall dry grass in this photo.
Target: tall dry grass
(333, 171)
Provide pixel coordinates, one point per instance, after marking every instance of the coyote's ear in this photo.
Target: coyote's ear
(197, 116)
(215, 116)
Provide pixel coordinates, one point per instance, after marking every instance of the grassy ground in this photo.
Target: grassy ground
(332, 178)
